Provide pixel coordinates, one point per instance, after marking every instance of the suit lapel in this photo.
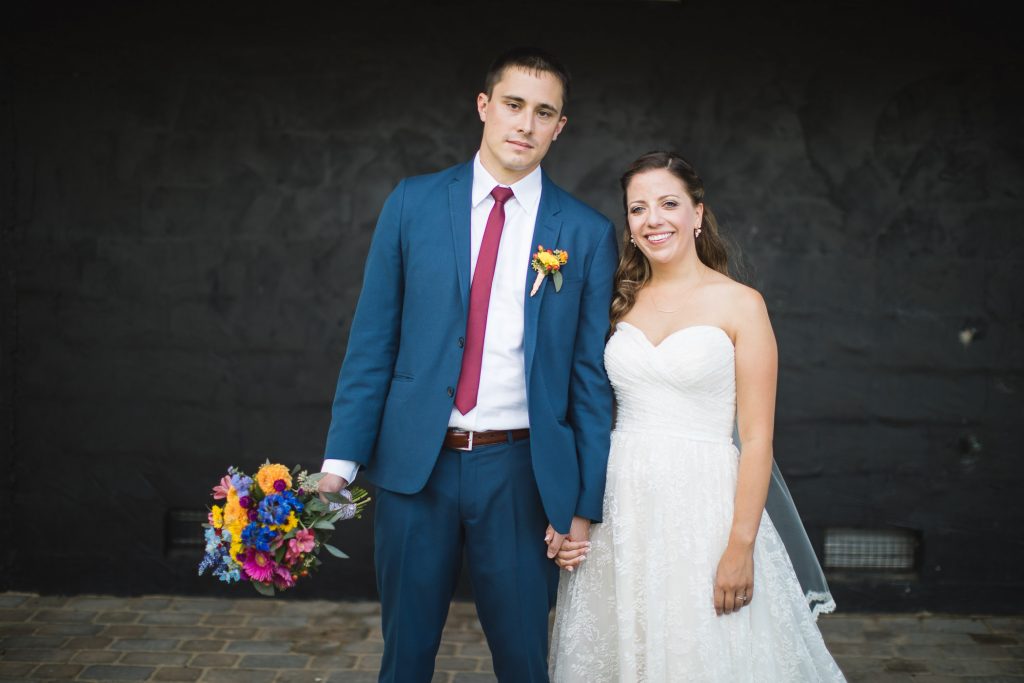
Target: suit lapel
(460, 204)
(545, 233)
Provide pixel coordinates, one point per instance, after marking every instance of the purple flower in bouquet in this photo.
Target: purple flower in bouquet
(283, 577)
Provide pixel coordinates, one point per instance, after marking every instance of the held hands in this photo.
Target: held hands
(570, 550)
(734, 581)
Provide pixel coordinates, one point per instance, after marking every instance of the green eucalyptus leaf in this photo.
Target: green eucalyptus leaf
(317, 505)
(335, 497)
(335, 551)
(557, 278)
(323, 524)
(263, 589)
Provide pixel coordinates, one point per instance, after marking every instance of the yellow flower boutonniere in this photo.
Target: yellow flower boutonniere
(548, 262)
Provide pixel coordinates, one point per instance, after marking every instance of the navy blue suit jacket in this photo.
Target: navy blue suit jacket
(397, 383)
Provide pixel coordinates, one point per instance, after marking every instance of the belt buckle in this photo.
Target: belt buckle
(469, 444)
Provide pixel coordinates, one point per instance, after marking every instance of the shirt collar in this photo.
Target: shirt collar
(526, 190)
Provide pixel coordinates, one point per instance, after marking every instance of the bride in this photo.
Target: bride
(687, 579)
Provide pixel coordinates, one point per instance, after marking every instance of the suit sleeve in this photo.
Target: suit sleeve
(590, 408)
(372, 343)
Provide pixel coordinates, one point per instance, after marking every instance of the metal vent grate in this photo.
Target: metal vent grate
(184, 531)
(877, 549)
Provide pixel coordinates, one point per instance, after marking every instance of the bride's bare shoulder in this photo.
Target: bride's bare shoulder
(735, 294)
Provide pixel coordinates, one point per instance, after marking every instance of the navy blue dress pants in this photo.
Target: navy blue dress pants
(483, 503)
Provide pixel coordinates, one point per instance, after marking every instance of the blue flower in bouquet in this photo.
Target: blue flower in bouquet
(217, 558)
(240, 481)
(257, 536)
(213, 541)
(274, 508)
(228, 573)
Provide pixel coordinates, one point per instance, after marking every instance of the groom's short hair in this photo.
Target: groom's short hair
(529, 59)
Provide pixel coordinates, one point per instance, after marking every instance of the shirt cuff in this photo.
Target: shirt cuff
(346, 469)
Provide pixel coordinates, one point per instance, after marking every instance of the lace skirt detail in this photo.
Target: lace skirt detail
(641, 608)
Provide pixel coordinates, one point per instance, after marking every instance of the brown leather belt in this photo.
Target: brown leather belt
(467, 441)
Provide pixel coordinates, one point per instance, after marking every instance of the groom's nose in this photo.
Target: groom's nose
(526, 122)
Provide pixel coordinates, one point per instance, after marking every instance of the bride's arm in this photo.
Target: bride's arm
(756, 377)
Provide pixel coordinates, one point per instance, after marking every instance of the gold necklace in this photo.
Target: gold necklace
(654, 302)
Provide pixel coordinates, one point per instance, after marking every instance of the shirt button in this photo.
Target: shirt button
(462, 342)
(451, 392)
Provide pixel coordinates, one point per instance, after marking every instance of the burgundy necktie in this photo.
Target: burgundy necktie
(479, 300)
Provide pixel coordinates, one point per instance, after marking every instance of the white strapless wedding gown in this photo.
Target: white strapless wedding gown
(640, 608)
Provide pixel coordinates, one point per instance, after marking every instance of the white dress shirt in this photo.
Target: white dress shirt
(501, 401)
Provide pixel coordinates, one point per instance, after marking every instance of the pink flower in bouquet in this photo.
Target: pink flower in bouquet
(221, 489)
(302, 543)
(259, 566)
(283, 578)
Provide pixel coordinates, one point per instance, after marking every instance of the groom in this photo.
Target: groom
(478, 407)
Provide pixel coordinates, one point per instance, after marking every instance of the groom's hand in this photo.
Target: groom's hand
(554, 541)
(579, 531)
(330, 483)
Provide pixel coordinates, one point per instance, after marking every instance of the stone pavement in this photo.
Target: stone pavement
(260, 640)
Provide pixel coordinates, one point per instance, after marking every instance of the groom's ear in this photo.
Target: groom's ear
(482, 100)
(559, 127)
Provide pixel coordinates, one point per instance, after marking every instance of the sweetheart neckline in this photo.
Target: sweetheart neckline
(672, 334)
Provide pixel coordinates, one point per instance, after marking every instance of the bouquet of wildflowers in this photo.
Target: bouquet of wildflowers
(271, 527)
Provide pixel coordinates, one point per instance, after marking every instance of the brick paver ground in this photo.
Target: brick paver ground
(259, 640)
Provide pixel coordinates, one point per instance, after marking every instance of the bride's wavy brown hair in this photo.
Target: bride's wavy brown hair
(634, 269)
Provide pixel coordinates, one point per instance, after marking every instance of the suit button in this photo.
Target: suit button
(462, 342)
(451, 392)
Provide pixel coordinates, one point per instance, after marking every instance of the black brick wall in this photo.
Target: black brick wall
(188, 197)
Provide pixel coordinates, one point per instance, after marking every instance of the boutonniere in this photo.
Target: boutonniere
(548, 262)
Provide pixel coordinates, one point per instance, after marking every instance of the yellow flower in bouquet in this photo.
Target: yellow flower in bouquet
(289, 523)
(217, 517)
(270, 474)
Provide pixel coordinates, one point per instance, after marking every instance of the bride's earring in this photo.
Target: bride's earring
(696, 232)
(632, 241)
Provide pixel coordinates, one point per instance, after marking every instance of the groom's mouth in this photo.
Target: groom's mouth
(519, 144)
